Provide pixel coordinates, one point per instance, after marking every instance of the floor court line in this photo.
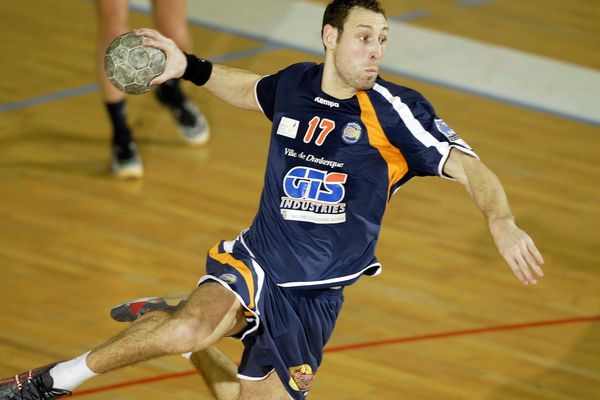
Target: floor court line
(472, 3)
(139, 6)
(73, 92)
(446, 60)
(387, 342)
(46, 98)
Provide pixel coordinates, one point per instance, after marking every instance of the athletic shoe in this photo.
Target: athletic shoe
(32, 385)
(191, 122)
(134, 309)
(126, 163)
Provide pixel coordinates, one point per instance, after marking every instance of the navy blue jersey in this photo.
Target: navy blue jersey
(332, 168)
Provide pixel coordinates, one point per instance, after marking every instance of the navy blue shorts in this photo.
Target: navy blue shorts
(287, 328)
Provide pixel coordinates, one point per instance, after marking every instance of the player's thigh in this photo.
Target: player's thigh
(170, 17)
(270, 388)
(215, 309)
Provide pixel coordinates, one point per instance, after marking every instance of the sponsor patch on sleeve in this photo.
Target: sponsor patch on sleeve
(452, 136)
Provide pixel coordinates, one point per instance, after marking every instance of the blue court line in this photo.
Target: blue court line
(64, 94)
(34, 101)
(402, 17)
(244, 53)
(220, 28)
(489, 96)
(462, 89)
(472, 3)
(269, 46)
(273, 44)
(411, 16)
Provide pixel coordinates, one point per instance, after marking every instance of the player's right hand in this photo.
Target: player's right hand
(518, 249)
(176, 61)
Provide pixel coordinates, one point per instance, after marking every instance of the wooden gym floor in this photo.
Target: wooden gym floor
(446, 320)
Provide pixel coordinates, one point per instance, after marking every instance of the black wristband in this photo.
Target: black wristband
(198, 70)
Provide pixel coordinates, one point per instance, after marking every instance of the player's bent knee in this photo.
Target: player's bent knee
(182, 336)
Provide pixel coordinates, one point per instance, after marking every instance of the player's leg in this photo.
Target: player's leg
(210, 313)
(113, 22)
(218, 371)
(269, 388)
(170, 18)
(220, 374)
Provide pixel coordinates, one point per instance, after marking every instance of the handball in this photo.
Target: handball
(130, 66)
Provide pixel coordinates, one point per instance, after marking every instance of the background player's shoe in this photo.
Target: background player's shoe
(32, 385)
(133, 309)
(191, 122)
(126, 163)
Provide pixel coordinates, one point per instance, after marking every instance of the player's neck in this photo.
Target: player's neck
(333, 84)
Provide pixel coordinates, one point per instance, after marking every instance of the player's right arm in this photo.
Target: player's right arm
(513, 244)
(235, 86)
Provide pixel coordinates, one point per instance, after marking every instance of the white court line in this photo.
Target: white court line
(464, 64)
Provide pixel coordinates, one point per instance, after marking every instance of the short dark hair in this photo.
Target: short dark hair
(337, 11)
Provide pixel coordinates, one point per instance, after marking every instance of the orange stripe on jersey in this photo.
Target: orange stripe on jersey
(226, 258)
(397, 166)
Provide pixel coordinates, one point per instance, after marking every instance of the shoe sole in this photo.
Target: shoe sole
(132, 310)
(198, 140)
(129, 172)
(194, 138)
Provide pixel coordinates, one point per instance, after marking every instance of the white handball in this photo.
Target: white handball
(130, 66)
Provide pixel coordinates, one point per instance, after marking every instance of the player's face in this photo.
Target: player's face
(360, 48)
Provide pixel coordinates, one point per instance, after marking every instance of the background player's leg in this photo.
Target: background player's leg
(170, 17)
(112, 22)
(171, 20)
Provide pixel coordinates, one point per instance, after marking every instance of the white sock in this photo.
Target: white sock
(68, 375)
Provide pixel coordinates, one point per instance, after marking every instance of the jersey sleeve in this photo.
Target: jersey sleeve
(269, 87)
(266, 92)
(431, 159)
(424, 139)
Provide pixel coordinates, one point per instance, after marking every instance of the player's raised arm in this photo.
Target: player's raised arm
(485, 188)
(235, 86)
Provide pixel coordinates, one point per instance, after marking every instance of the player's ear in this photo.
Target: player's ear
(330, 37)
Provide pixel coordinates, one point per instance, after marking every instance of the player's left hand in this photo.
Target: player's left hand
(176, 61)
(518, 249)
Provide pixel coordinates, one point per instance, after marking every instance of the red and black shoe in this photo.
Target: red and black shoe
(32, 385)
(134, 309)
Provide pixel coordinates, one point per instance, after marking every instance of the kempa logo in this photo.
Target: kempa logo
(329, 103)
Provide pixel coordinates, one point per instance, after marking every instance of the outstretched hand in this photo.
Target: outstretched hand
(176, 61)
(519, 251)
